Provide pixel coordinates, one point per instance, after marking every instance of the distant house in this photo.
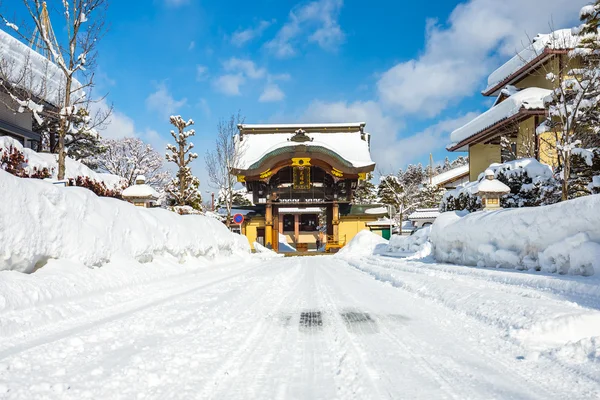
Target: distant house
(453, 178)
(423, 216)
(507, 130)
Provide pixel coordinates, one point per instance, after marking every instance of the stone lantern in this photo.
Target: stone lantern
(141, 194)
(491, 190)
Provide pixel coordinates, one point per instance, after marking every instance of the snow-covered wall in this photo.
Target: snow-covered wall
(41, 221)
(563, 237)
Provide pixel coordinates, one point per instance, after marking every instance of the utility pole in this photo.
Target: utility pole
(212, 201)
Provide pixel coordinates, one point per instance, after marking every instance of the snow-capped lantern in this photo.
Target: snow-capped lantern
(141, 194)
(491, 190)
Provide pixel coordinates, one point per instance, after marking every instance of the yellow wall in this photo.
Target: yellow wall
(538, 78)
(249, 229)
(480, 157)
(351, 225)
(526, 138)
(548, 152)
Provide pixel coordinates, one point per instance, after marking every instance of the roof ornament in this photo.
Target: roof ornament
(300, 136)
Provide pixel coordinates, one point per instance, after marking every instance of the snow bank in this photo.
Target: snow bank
(73, 168)
(562, 238)
(417, 243)
(365, 243)
(264, 252)
(40, 221)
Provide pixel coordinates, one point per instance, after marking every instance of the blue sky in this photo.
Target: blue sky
(412, 72)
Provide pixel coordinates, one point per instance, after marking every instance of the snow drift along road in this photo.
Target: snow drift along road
(563, 237)
(40, 221)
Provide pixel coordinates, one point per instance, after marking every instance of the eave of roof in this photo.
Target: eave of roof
(291, 128)
(17, 130)
(490, 131)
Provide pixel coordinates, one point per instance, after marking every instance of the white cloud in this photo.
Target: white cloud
(460, 53)
(271, 93)
(229, 84)
(239, 70)
(318, 20)
(247, 67)
(201, 72)
(163, 102)
(192, 45)
(203, 104)
(241, 37)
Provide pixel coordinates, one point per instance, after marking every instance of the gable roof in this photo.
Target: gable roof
(449, 176)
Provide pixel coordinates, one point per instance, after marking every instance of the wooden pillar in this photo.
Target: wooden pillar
(336, 221)
(296, 227)
(281, 223)
(269, 226)
(276, 229)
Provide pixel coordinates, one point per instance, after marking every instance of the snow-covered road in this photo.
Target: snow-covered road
(304, 328)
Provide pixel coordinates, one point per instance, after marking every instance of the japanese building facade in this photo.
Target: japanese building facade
(302, 178)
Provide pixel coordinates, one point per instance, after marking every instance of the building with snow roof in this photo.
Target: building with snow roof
(141, 194)
(302, 177)
(507, 130)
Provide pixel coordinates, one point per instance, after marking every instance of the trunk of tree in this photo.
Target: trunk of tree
(182, 182)
(566, 175)
(62, 132)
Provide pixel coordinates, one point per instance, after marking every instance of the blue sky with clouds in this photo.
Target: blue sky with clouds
(411, 70)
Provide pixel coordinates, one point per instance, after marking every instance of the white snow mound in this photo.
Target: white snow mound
(365, 243)
(417, 244)
(560, 238)
(40, 221)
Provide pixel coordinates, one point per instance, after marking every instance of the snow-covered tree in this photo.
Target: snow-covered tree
(130, 157)
(183, 189)
(430, 196)
(73, 52)
(225, 157)
(366, 192)
(402, 190)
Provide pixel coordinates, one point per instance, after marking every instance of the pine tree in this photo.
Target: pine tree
(366, 192)
(183, 189)
(430, 196)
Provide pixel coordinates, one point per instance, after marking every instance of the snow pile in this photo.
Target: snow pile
(562, 238)
(40, 221)
(365, 243)
(264, 252)
(417, 243)
(73, 168)
(284, 246)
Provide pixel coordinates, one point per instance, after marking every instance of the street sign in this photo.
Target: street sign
(238, 219)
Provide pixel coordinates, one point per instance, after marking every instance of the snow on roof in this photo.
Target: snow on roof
(42, 77)
(377, 210)
(491, 184)
(302, 126)
(558, 40)
(531, 99)
(448, 176)
(140, 191)
(382, 222)
(424, 213)
(353, 146)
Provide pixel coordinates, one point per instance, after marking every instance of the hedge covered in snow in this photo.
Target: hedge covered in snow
(41, 221)
(560, 238)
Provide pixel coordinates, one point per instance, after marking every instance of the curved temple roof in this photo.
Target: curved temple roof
(348, 142)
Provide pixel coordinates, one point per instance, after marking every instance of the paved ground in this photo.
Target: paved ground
(293, 328)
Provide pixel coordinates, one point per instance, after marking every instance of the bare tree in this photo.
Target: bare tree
(129, 157)
(67, 89)
(225, 157)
